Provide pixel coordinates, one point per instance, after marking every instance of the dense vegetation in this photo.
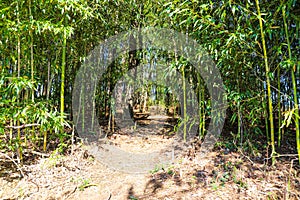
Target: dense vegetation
(255, 44)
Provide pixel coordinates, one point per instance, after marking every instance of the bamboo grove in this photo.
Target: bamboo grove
(255, 45)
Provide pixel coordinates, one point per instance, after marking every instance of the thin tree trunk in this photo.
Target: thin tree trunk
(19, 150)
(31, 54)
(293, 83)
(48, 79)
(18, 42)
(184, 104)
(240, 125)
(279, 106)
(268, 82)
(201, 134)
(201, 111)
(93, 107)
(63, 66)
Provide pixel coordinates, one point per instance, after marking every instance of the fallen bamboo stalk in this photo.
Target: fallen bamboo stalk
(22, 126)
(18, 167)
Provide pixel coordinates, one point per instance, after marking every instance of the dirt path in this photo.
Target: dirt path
(79, 175)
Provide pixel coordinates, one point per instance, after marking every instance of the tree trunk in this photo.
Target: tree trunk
(267, 82)
(296, 109)
(63, 66)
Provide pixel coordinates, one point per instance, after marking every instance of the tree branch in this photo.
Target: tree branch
(22, 126)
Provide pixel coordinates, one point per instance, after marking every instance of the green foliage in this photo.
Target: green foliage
(43, 44)
(132, 198)
(41, 117)
(157, 168)
(85, 183)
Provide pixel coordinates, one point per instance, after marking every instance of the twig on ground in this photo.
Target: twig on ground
(18, 167)
(38, 187)
(72, 192)
(283, 155)
(37, 153)
(109, 196)
(250, 160)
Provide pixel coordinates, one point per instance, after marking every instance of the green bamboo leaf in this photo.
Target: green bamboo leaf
(271, 75)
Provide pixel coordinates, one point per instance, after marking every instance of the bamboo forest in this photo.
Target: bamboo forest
(149, 99)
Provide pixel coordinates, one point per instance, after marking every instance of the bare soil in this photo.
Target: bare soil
(226, 174)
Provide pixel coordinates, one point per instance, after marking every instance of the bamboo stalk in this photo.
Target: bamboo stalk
(267, 81)
(296, 111)
(18, 43)
(31, 53)
(279, 107)
(21, 126)
(45, 140)
(63, 66)
(19, 142)
(184, 104)
(203, 113)
(201, 134)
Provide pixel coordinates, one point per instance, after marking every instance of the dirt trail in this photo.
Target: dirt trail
(79, 175)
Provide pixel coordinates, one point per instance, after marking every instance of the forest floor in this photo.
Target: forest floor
(227, 174)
